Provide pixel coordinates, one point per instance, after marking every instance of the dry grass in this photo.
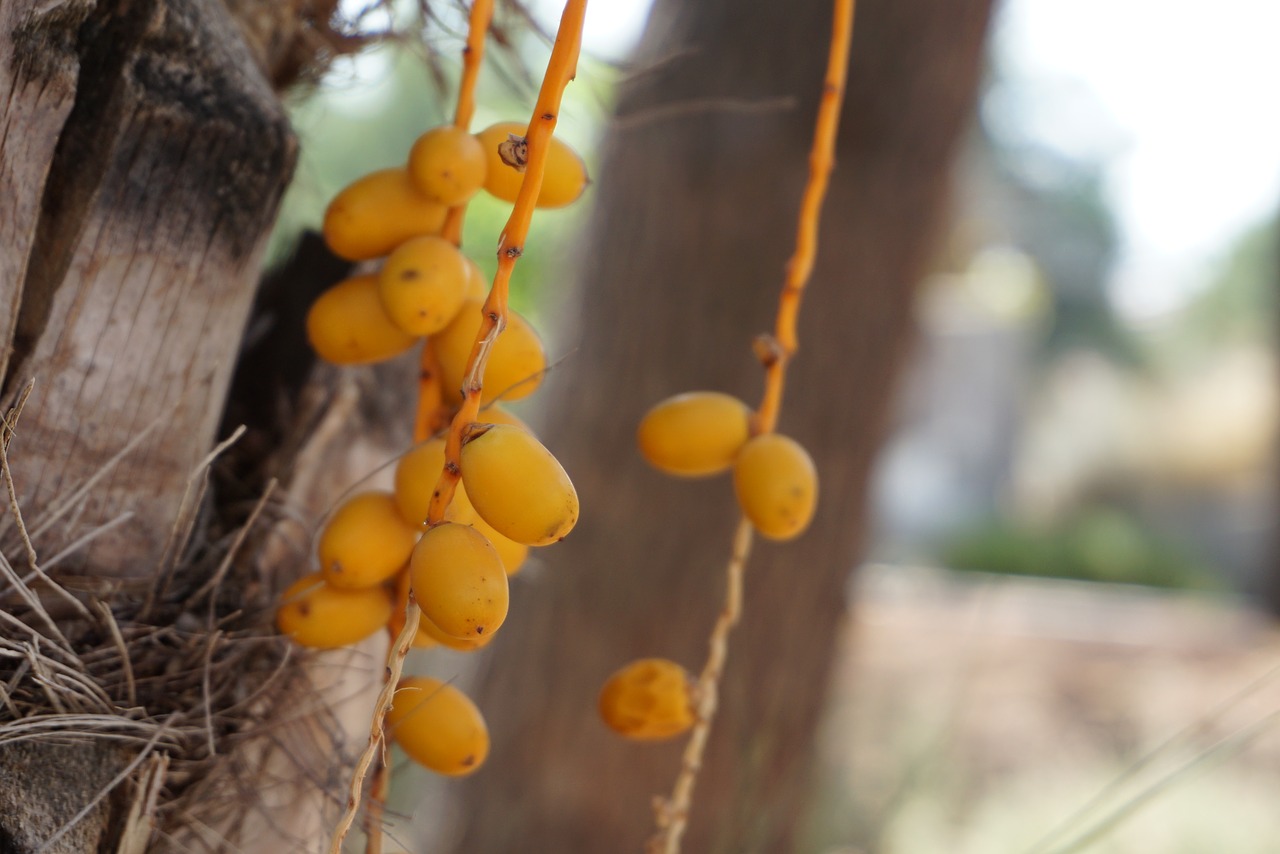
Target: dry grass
(183, 673)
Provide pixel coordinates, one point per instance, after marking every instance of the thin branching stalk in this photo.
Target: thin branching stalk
(472, 59)
(378, 794)
(561, 68)
(432, 415)
(672, 813)
(395, 666)
(799, 268)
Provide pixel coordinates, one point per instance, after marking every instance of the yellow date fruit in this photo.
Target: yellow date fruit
(777, 485)
(477, 284)
(563, 180)
(431, 630)
(517, 486)
(495, 414)
(347, 325)
(648, 700)
(421, 638)
(365, 541)
(438, 726)
(447, 165)
(513, 554)
(516, 360)
(417, 474)
(459, 581)
(318, 615)
(694, 434)
(422, 284)
(378, 212)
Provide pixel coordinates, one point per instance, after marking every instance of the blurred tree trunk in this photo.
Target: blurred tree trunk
(697, 199)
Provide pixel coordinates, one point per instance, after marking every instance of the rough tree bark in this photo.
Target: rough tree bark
(697, 199)
(142, 157)
(131, 250)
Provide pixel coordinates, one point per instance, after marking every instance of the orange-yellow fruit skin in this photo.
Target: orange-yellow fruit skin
(695, 434)
(318, 615)
(459, 581)
(365, 541)
(516, 361)
(563, 180)
(438, 726)
(517, 486)
(347, 325)
(777, 485)
(477, 284)
(416, 477)
(431, 630)
(378, 212)
(417, 474)
(422, 284)
(648, 700)
(513, 554)
(447, 165)
(421, 638)
(495, 414)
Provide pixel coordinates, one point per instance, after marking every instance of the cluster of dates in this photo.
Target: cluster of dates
(377, 548)
(700, 434)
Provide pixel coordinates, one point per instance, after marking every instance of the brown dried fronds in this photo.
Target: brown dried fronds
(188, 681)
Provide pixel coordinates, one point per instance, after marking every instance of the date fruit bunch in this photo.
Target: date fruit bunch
(376, 549)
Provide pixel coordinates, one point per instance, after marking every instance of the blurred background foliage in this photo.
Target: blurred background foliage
(1096, 544)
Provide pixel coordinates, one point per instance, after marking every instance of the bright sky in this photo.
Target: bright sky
(1191, 131)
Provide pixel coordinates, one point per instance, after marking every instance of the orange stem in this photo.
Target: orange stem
(472, 59)
(779, 351)
(561, 68)
(431, 417)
